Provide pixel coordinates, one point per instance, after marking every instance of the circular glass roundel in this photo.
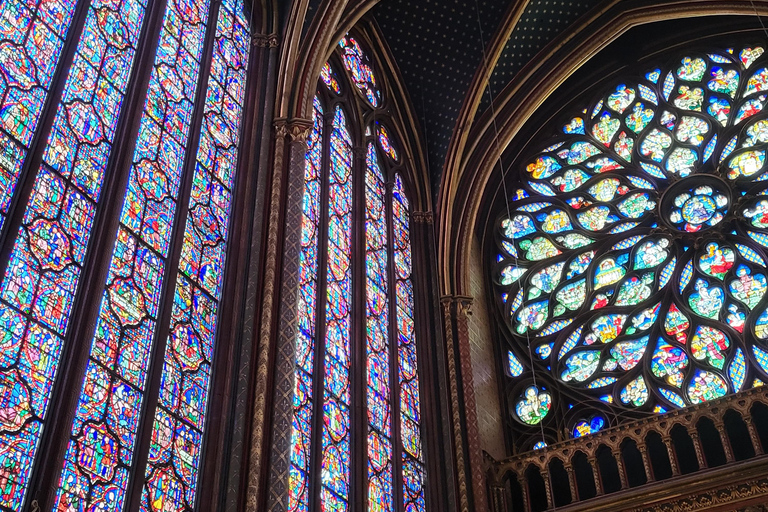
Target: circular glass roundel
(696, 203)
(697, 209)
(632, 257)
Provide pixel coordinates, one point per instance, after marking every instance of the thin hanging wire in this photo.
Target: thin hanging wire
(759, 18)
(504, 170)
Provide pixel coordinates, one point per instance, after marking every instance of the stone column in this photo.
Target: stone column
(498, 497)
(620, 464)
(596, 475)
(697, 448)
(456, 310)
(462, 466)
(526, 494)
(720, 426)
(548, 488)
(753, 435)
(572, 483)
(646, 463)
(277, 350)
(671, 453)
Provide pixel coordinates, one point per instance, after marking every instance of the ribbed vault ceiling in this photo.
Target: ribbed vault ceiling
(437, 46)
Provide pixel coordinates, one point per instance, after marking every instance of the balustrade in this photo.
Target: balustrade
(638, 451)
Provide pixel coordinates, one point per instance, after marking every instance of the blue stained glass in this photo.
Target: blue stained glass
(32, 34)
(623, 227)
(653, 76)
(666, 273)
(377, 339)
(585, 428)
(648, 94)
(45, 264)
(669, 83)
(570, 342)
(514, 365)
(728, 149)
(672, 397)
(541, 188)
(554, 327)
(627, 243)
(190, 345)
(653, 170)
(762, 357)
(760, 238)
(737, 371)
(334, 493)
(685, 276)
(640, 182)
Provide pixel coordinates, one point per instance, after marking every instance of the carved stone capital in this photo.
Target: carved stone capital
(297, 129)
(423, 217)
(281, 128)
(265, 40)
(463, 303)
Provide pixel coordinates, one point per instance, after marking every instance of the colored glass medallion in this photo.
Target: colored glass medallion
(533, 405)
(672, 206)
(587, 427)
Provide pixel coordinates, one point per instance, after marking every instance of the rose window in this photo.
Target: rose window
(631, 263)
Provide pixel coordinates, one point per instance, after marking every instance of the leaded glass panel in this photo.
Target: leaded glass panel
(340, 241)
(44, 270)
(632, 258)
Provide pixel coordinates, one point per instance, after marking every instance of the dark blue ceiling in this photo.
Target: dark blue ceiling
(437, 46)
(539, 24)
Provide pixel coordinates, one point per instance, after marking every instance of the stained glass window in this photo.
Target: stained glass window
(48, 254)
(377, 331)
(359, 66)
(326, 344)
(633, 255)
(52, 249)
(32, 35)
(173, 467)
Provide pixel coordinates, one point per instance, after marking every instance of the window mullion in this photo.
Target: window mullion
(358, 479)
(318, 378)
(162, 330)
(24, 183)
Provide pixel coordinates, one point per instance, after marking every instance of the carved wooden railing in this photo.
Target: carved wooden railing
(659, 456)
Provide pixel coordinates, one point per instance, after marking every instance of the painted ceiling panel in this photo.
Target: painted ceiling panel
(437, 45)
(541, 22)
